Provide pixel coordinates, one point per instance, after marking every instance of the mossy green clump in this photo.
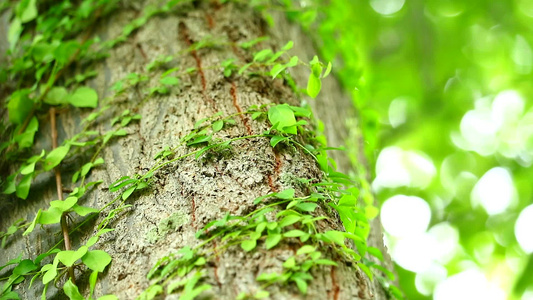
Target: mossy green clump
(170, 224)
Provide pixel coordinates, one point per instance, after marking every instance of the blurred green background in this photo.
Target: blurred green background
(443, 88)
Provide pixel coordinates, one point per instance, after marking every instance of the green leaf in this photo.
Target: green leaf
(268, 277)
(272, 240)
(217, 126)
(261, 198)
(19, 106)
(261, 294)
(86, 168)
(84, 97)
(43, 52)
(65, 51)
(289, 263)
(40, 257)
(285, 194)
(120, 132)
(282, 118)
(169, 80)
(123, 181)
(128, 192)
(276, 69)
(243, 68)
(151, 292)
(348, 201)
(260, 227)
(64, 205)
(55, 157)
(50, 271)
(249, 44)
(256, 115)
(92, 283)
(96, 260)
(193, 293)
(25, 139)
(328, 70)
(272, 225)
(336, 236)
(71, 290)
(24, 267)
(288, 46)
(27, 10)
(289, 220)
(10, 186)
(375, 252)
(371, 212)
(294, 233)
(56, 96)
(50, 216)
(307, 206)
(200, 261)
(33, 223)
(262, 55)
(313, 85)
(325, 262)
(301, 111)
(23, 188)
(322, 160)
(302, 285)
(293, 62)
(28, 168)
(248, 245)
(200, 139)
(95, 238)
(69, 257)
(84, 210)
(13, 35)
(276, 140)
(366, 270)
(305, 249)
(168, 72)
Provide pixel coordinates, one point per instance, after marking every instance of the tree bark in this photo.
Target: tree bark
(188, 194)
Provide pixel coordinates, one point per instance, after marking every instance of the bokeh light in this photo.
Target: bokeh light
(524, 229)
(445, 86)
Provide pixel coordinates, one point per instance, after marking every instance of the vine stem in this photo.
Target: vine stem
(59, 187)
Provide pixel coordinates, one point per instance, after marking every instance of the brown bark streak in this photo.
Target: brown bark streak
(277, 167)
(233, 91)
(210, 21)
(141, 50)
(335, 289)
(184, 31)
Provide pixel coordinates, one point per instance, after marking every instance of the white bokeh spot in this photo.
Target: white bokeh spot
(387, 7)
(494, 191)
(413, 253)
(396, 167)
(427, 280)
(398, 112)
(404, 216)
(468, 285)
(523, 228)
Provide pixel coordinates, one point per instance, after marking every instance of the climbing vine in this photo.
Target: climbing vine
(49, 65)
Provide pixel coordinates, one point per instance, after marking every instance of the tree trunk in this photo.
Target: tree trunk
(186, 195)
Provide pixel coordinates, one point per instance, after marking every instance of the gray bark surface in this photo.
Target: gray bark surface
(188, 194)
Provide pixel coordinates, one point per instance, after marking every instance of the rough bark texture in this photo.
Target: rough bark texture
(188, 194)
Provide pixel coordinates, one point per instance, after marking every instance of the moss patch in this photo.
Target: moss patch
(170, 224)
